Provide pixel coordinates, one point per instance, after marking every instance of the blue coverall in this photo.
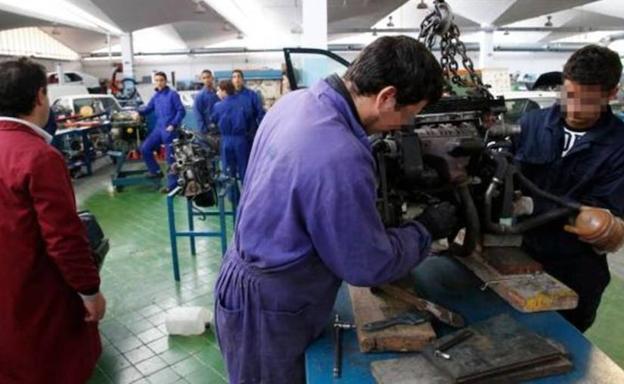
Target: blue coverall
(307, 220)
(169, 110)
(51, 125)
(235, 123)
(202, 108)
(253, 104)
(591, 173)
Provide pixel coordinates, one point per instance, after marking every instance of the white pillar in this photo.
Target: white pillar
(127, 55)
(486, 46)
(314, 24)
(60, 73)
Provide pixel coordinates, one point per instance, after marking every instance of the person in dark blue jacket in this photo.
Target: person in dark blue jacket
(234, 123)
(575, 149)
(204, 101)
(252, 102)
(169, 112)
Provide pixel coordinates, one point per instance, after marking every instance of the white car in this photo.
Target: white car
(76, 78)
(96, 104)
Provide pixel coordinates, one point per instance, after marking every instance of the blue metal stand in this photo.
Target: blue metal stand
(125, 178)
(63, 137)
(225, 186)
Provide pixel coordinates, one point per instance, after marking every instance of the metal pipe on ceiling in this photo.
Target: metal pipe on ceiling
(474, 47)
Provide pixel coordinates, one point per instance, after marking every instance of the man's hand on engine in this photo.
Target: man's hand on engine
(440, 220)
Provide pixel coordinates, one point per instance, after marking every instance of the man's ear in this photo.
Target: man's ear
(613, 93)
(386, 99)
(41, 96)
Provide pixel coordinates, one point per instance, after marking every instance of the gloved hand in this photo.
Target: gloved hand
(439, 219)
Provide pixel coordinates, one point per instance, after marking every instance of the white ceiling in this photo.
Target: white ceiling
(176, 24)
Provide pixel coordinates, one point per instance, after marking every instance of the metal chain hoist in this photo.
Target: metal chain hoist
(440, 23)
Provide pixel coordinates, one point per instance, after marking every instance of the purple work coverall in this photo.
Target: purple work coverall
(307, 220)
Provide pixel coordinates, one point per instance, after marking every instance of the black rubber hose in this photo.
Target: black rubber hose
(473, 226)
(546, 195)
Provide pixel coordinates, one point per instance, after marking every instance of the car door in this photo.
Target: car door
(305, 66)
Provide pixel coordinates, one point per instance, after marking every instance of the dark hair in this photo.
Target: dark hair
(227, 86)
(160, 73)
(20, 81)
(398, 61)
(594, 65)
(240, 72)
(208, 71)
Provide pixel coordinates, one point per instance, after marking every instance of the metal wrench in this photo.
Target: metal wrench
(408, 318)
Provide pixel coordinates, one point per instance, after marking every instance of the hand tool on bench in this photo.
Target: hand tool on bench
(338, 326)
(459, 337)
(439, 312)
(408, 318)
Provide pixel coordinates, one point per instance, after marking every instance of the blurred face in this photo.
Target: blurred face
(582, 105)
(238, 80)
(387, 116)
(160, 82)
(221, 93)
(207, 79)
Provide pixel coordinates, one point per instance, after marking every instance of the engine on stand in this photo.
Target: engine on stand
(459, 150)
(196, 158)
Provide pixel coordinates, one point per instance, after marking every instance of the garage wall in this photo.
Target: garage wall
(188, 68)
(50, 65)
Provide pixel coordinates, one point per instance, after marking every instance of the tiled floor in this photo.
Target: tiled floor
(138, 282)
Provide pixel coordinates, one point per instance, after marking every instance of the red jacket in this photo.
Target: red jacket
(45, 260)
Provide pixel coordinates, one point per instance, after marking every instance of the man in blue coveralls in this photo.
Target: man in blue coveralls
(307, 218)
(204, 101)
(251, 101)
(169, 112)
(234, 123)
(575, 149)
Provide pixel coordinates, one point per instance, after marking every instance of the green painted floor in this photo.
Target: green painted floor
(138, 282)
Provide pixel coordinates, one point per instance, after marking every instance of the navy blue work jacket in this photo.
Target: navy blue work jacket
(592, 173)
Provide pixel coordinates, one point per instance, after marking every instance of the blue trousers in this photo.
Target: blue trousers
(234, 155)
(153, 142)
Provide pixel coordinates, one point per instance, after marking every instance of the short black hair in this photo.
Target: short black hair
(227, 86)
(398, 61)
(160, 73)
(240, 72)
(594, 65)
(208, 71)
(20, 81)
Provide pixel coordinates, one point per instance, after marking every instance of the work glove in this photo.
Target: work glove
(598, 227)
(439, 219)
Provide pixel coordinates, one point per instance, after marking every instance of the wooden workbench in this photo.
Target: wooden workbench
(447, 282)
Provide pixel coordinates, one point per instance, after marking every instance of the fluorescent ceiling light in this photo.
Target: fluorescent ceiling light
(59, 11)
(259, 27)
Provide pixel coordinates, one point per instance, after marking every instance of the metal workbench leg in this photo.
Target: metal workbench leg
(87, 152)
(191, 224)
(221, 202)
(235, 200)
(173, 237)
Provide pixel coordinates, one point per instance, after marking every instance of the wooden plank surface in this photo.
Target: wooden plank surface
(532, 292)
(368, 307)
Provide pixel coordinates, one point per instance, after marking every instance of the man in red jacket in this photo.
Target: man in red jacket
(49, 286)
